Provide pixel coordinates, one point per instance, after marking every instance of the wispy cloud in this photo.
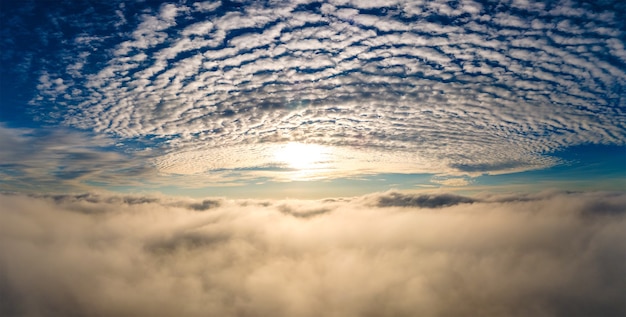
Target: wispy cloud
(52, 159)
(546, 254)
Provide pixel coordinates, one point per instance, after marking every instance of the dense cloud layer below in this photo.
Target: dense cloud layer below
(390, 254)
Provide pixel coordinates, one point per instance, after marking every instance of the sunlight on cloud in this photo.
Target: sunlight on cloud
(293, 161)
(386, 254)
(308, 160)
(413, 102)
(451, 181)
(456, 89)
(302, 156)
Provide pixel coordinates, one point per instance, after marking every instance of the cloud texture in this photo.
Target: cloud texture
(450, 87)
(57, 159)
(548, 254)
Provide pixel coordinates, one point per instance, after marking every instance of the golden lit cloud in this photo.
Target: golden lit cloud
(385, 254)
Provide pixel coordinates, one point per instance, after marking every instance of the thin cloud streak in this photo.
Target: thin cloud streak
(546, 254)
(57, 159)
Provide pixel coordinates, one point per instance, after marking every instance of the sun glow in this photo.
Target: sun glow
(302, 156)
(306, 161)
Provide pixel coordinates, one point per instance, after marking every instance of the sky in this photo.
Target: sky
(251, 99)
(312, 158)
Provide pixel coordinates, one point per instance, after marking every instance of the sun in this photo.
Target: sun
(302, 156)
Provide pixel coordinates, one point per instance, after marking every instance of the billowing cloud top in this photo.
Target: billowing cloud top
(461, 87)
(389, 254)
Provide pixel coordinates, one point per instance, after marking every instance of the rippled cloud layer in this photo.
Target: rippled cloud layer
(389, 254)
(466, 87)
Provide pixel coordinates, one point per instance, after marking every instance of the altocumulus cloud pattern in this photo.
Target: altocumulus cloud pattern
(461, 87)
(387, 254)
(313, 99)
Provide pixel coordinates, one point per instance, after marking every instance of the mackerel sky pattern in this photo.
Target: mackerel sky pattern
(484, 86)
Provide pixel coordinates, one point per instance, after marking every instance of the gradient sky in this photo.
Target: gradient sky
(312, 99)
(340, 158)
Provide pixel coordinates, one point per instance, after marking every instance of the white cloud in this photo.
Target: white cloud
(391, 254)
(476, 96)
(451, 181)
(207, 5)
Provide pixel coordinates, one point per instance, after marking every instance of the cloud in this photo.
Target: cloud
(56, 159)
(95, 203)
(546, 254)
(422, 201)
(478, 88)
(450, 181)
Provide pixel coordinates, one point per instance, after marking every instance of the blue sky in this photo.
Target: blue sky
(312, 99)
